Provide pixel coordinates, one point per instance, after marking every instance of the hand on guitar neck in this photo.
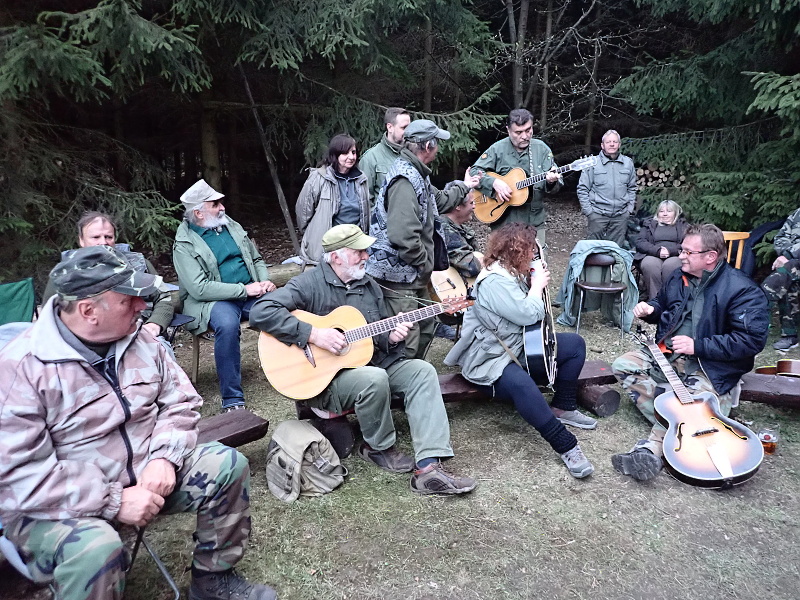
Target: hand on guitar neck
(333, 340)
(540, 278)
(502, 191)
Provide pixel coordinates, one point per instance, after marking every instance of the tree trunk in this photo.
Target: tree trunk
(209, 145)
(546, 69)
(428, 66)
(592, 100)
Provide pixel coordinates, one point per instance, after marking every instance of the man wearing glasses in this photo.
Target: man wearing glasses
(711, 322)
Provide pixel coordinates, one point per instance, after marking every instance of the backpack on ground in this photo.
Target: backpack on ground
(302, 462)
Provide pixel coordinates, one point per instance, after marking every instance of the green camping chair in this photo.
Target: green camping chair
(17, 301)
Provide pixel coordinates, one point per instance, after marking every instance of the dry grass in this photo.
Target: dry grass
(528, 531)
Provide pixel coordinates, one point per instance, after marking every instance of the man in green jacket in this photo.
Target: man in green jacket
(339, 280)
(403, 221)
(221, 274)
(533, 156)
(376, 161)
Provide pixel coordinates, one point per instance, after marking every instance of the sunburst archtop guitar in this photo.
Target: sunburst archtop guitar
(302, 373)
(702, 447)
(488, 209)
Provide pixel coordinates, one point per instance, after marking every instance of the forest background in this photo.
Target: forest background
(120, 105)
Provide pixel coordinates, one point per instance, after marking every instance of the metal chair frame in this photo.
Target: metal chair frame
(600, 259)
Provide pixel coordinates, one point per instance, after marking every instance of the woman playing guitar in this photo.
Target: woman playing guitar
(491, 349)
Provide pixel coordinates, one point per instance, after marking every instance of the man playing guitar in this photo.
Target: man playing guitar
(519, 150)
(712, 321)
(341, 279)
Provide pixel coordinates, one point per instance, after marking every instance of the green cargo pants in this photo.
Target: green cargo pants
(369, 390)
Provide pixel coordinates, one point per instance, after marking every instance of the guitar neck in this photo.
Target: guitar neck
(541, 177)
(379, 327)
(672, 377)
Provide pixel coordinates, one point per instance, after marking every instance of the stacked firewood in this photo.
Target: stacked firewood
(653, 175)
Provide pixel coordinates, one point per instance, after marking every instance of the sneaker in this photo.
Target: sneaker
(227, 409)
(786, 342)
(443, 330)
(433, 479)
(577, 419)
(577, 463)
(228, 585)
(391, 459)
(639, 463)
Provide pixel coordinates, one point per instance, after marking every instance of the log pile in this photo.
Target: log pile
(650, 175)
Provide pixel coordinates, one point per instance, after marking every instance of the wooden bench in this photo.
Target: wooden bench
(593, 394)
(775, 390)
(233, 428)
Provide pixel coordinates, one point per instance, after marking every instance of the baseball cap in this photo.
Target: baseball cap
(93, 270)
(346, 236)
(423, 130)
(197, 194)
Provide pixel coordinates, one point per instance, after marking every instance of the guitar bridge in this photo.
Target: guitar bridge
(702, 432)
(309, 355)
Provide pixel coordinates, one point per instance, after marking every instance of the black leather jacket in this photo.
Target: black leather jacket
(730, 329)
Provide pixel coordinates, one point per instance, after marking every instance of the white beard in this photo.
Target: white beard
(355, 272)
(221, 220)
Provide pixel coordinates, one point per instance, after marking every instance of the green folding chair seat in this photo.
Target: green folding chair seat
(17, 301)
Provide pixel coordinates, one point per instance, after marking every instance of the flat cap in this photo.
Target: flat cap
(197, 194)
(423, 130)
(90, 271)
(346, 236)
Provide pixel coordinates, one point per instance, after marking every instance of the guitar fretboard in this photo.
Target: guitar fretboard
(672, 377)
(379, 327)
(541, 177)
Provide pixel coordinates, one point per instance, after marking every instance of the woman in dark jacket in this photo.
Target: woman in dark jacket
(658, 245)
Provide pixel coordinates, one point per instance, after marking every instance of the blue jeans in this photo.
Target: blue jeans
(226, 318)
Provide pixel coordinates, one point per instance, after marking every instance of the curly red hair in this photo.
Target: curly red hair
(511, 245)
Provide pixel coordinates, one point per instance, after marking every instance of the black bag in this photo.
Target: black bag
(441, 262)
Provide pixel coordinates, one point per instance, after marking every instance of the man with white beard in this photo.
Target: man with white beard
(340, 279)
(221, 274)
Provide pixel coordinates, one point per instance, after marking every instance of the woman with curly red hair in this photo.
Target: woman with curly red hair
(491, 349)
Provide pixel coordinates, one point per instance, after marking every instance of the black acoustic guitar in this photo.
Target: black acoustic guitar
(702, 447)
(539, 341)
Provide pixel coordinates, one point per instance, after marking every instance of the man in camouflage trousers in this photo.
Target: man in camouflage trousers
(100, 429)
(712, 321)
(782, 286)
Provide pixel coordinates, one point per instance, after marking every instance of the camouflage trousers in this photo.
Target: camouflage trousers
(633, 371)
(85, 559)
(782, 287)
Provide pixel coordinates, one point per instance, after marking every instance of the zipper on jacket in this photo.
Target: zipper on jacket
(114, 382)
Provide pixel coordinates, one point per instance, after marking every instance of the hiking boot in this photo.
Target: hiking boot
(786, 342)
(228, 585)
(391, 459)
(577, 463)
(639, 463)
(577, 419)
(433, 479)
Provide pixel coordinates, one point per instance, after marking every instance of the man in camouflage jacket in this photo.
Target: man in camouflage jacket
(782, 286)
(100, 429)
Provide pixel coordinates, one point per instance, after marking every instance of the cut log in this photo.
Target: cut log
(233, 428)
(602, 400)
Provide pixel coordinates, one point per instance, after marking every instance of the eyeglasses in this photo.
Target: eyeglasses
(690, 252)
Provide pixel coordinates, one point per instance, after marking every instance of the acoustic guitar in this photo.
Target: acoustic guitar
(302, 373)
(450, 283)
(702, 447)
(539, 341)
(488, 209)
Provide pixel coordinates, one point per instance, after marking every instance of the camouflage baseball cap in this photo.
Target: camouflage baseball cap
(93, 270)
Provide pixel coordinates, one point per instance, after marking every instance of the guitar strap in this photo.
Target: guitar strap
(502, 343)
